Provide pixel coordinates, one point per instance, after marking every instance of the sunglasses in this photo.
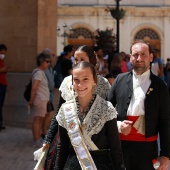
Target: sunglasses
(47, 61)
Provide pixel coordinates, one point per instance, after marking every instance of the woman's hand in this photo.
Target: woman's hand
(45, 146)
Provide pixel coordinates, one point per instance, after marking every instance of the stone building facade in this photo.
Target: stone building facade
(26, 28)
(147, 19)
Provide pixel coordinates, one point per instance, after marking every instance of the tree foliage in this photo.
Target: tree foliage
(106, 40)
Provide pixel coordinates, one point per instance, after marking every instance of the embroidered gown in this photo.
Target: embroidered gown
(101, 89)
(101, 126)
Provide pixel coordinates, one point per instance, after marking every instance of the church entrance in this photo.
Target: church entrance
(149, 36)
(81, 36)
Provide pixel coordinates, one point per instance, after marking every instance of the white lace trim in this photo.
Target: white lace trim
(100, 112)
(66, 89)
(60, 118)
(101, 89)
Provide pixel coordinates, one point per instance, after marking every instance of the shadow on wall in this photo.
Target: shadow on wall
(15, 111)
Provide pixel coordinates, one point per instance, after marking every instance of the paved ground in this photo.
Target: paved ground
(16, 151)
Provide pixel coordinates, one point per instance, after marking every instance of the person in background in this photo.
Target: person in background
(66, 63)
(116, 61)
(113, 74)
(39, 97)
(167, 74)
(102, 64)
(63, 67)
(123, 62)
(72, 57)
(3, 82)
(128, 62)
(84, 53)
(50, 77)
(115, 67)
(109, 60)
(142, 102)
(157, 64)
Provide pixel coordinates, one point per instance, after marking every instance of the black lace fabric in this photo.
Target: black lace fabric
(101, 126)
(52, 139)
(101, 158)
(83, 115)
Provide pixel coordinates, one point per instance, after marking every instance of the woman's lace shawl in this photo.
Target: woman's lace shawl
(101, 89)
(100, 112)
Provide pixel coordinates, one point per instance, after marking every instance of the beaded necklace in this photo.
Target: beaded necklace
(83, 114)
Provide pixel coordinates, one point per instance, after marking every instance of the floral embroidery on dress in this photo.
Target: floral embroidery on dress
(95, 119)
(102, 87)
(66, 89)
(98, 115)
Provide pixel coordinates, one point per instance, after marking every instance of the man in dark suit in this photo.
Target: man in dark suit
(143, 106)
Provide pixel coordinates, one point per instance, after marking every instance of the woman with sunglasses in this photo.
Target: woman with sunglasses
(39, 97)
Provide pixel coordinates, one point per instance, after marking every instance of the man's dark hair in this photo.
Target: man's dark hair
(96, 48)
(68, 48)
(3, 47)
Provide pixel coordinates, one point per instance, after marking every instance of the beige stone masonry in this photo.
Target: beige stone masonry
(27, 27)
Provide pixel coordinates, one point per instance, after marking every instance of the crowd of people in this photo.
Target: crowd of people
(134, 95)
(112, 108)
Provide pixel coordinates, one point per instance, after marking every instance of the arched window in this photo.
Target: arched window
(81, 36)
(149, 36)
(147, 33)
(81, 33)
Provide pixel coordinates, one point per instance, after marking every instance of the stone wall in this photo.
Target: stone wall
(27, 27)
(15, 108)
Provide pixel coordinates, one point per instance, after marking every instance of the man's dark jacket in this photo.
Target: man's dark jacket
(156, 104)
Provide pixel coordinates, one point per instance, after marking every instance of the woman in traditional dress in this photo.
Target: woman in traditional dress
(88, 135)
(83, 53)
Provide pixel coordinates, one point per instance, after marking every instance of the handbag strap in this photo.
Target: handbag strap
(34, 72)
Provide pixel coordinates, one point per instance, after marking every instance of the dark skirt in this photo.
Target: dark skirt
(51, 155)
(101, 158)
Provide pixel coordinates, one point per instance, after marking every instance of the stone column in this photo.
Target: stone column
(166, 32)
(27, 27)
